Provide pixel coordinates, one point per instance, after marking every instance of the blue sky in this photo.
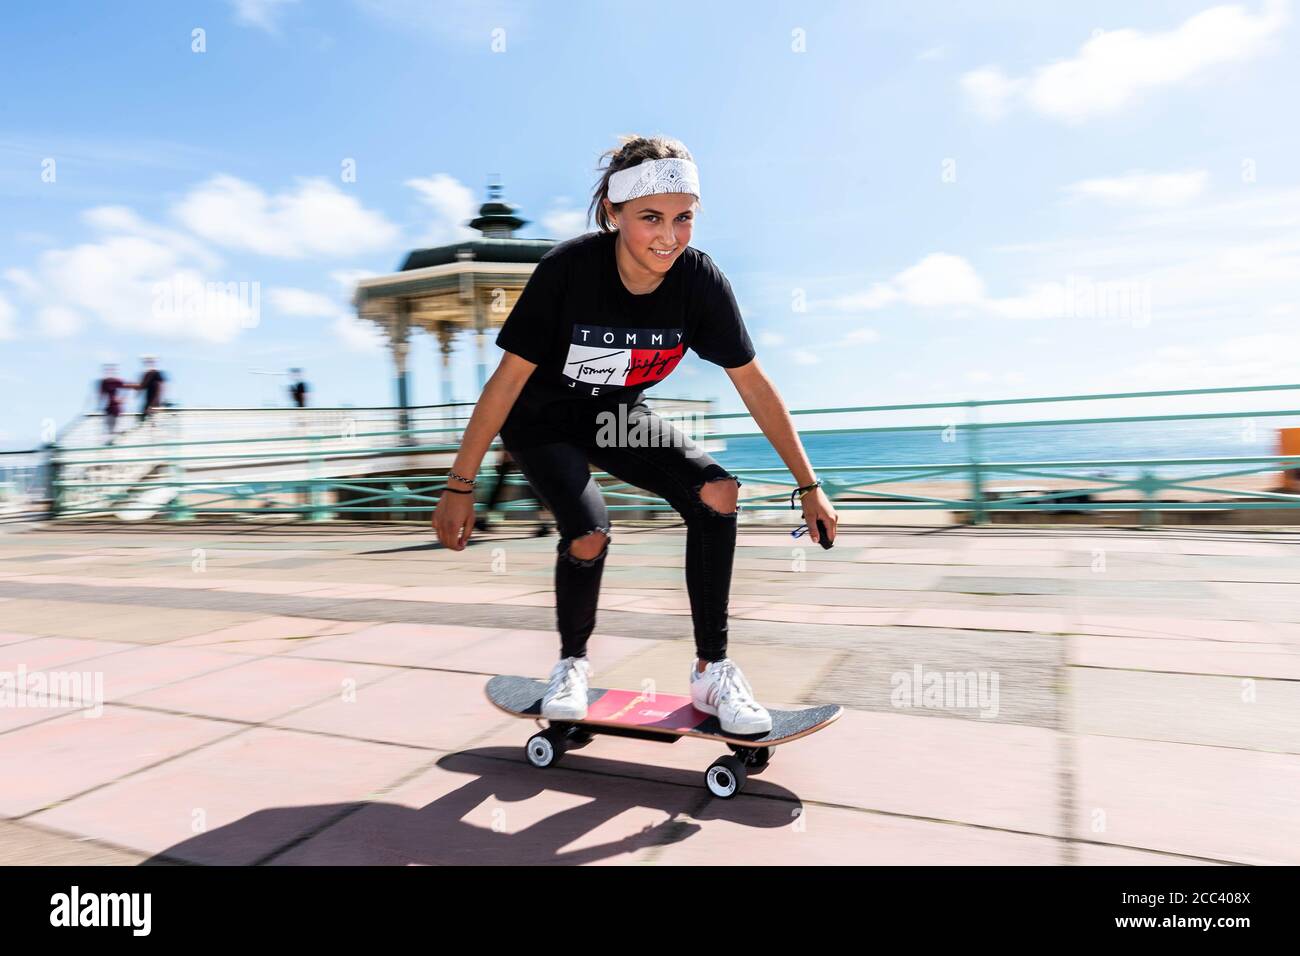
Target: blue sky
(913, 202)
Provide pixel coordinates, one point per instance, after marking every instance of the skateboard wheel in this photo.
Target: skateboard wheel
(725, 777)
(545, 749)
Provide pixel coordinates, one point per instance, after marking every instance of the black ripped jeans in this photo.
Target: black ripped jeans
(654, 455)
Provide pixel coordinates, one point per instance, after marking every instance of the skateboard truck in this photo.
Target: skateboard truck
(725, 777)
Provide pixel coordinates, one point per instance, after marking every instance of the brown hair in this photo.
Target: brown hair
(633, 151)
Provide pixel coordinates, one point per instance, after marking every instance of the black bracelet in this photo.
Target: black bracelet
(815, 484)
(457, 491)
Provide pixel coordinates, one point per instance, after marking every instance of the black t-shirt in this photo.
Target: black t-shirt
(108, 389)
(151, 383)
(298, 392)
(597, 345)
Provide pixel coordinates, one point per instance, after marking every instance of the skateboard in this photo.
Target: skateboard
(663, 717)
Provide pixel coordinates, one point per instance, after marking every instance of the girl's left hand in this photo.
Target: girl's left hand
(817, 505)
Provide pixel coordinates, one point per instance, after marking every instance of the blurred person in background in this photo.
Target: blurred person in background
(106, 393)
(151, 387)
(505, 465)
(297, 388)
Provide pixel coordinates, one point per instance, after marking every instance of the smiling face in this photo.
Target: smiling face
(651, 225)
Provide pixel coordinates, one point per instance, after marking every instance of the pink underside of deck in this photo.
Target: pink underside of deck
(668, 711)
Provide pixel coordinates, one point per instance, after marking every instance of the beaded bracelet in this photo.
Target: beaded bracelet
(468, 481)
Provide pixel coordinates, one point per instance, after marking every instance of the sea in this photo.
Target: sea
(1102, 442)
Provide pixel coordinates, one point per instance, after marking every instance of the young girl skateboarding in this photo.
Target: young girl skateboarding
(603, 317)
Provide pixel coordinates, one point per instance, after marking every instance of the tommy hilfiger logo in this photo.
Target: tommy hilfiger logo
(600, 356)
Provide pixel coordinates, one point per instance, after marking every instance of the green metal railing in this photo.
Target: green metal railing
(172, 489)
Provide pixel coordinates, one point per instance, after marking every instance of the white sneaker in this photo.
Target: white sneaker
(566, 697)
(722, 690)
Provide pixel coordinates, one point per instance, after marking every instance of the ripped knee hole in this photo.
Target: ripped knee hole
(727, 496)
(591, 546)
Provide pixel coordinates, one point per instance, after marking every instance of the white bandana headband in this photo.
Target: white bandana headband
(654, 176)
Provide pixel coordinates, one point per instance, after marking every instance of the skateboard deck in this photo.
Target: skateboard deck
(663, 717)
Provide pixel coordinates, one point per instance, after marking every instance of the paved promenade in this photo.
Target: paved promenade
(315, 695)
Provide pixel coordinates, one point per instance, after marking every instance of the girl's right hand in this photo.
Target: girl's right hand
(453, 519)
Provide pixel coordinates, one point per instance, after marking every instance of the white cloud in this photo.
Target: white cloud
(453, 205)
(879, 295)
(940, 279)
(145, 278)
(59, 322)
(262, 14)
(811, 353)
(348, 278)
(140, 278)
(114, 219)
(989, 91)
(123, 220)
(860, 336)
(1116, 68)
(302, 302)
(22, 280)
(358, 336)
(945, 282)
(933, 53)
(1040, 300)
(563, 223)
(136, 284)
(1139, 188)
(1210, 264)
(315, 219)
(1263, 358)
